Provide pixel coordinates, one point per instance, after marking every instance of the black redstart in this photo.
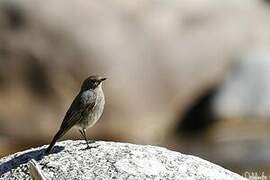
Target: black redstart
(85, 109)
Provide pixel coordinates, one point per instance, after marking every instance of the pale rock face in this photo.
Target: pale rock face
(110, 160)
(245, 93)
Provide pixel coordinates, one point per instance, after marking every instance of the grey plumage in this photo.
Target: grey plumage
(85, 110)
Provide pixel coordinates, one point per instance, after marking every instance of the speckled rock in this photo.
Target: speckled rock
(110, 160)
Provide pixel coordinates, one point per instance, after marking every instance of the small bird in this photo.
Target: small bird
(84, 111)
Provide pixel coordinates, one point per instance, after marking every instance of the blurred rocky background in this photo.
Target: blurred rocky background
(190, 75)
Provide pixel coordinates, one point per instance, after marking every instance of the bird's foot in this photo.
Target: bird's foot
(91, 147)
(90, 144)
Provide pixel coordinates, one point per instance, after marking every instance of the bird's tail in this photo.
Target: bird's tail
(58, 135)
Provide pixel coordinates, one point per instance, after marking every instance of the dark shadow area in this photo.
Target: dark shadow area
(36, 77)
(2, 81)
(15, 16)
(199, 117)
(25, 158)
(3, 68)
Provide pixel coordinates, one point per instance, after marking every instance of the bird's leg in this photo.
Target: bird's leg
(84, 136)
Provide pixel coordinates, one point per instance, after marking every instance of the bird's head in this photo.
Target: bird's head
(92, 82)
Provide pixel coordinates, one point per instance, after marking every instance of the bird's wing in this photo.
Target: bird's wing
(83, 101)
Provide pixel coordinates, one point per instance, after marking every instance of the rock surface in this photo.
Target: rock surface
(110, 160)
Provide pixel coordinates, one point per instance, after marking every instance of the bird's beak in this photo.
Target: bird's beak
(102, 79)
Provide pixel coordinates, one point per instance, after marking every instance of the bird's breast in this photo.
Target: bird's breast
(95, 112)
